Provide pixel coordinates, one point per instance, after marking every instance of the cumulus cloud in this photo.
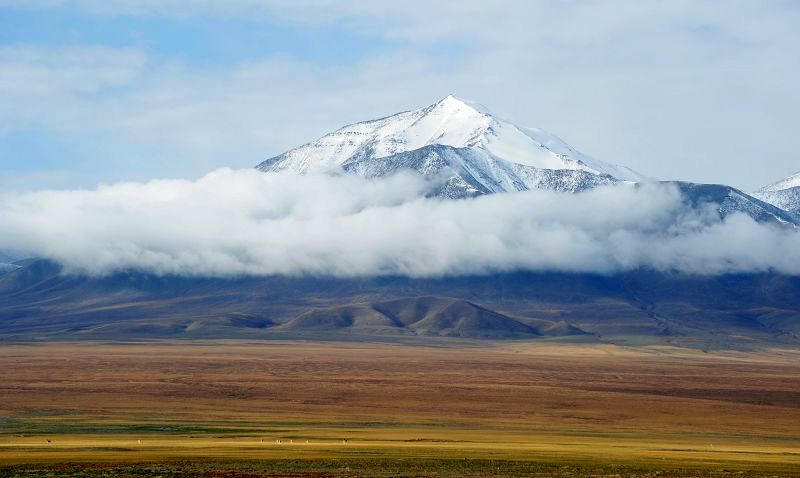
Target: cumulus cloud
(231, 223)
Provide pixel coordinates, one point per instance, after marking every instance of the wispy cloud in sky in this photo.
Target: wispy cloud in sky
(96, 91)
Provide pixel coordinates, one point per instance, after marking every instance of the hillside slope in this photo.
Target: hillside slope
(39, 301)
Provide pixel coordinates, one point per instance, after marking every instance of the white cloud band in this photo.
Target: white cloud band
(231, 223)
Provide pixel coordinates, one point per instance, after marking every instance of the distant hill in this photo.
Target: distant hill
(728, 200)
(38, 301)
(423, 316)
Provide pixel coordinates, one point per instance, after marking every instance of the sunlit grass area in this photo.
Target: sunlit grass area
(299, 407)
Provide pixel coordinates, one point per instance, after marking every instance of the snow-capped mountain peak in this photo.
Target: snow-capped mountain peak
(449, 122)
(792, 181)
(784, 194)
(478, 151)
(461, 102)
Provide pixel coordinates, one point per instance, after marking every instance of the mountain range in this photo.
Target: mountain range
(463, 151)
(42, 302)
(466, 151)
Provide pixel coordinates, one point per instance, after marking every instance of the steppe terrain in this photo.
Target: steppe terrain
(230, 408)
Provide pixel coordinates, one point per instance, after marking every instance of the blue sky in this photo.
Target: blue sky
(97, 91)
(203, 41)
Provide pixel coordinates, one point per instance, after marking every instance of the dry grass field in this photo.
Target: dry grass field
(237, 408)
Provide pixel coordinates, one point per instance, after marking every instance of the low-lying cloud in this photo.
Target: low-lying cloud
(232, 223)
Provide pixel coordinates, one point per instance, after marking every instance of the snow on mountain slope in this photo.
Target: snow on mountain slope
(459, 143)
(792, 181)
(727, 200)
(465, 172)
(784, 194)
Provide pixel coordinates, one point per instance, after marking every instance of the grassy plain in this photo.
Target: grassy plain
(219, 408)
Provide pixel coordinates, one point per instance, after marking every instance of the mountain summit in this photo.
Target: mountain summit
(459, 144)
(784, 194)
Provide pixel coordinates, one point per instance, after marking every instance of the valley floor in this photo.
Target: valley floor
(269, 408)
